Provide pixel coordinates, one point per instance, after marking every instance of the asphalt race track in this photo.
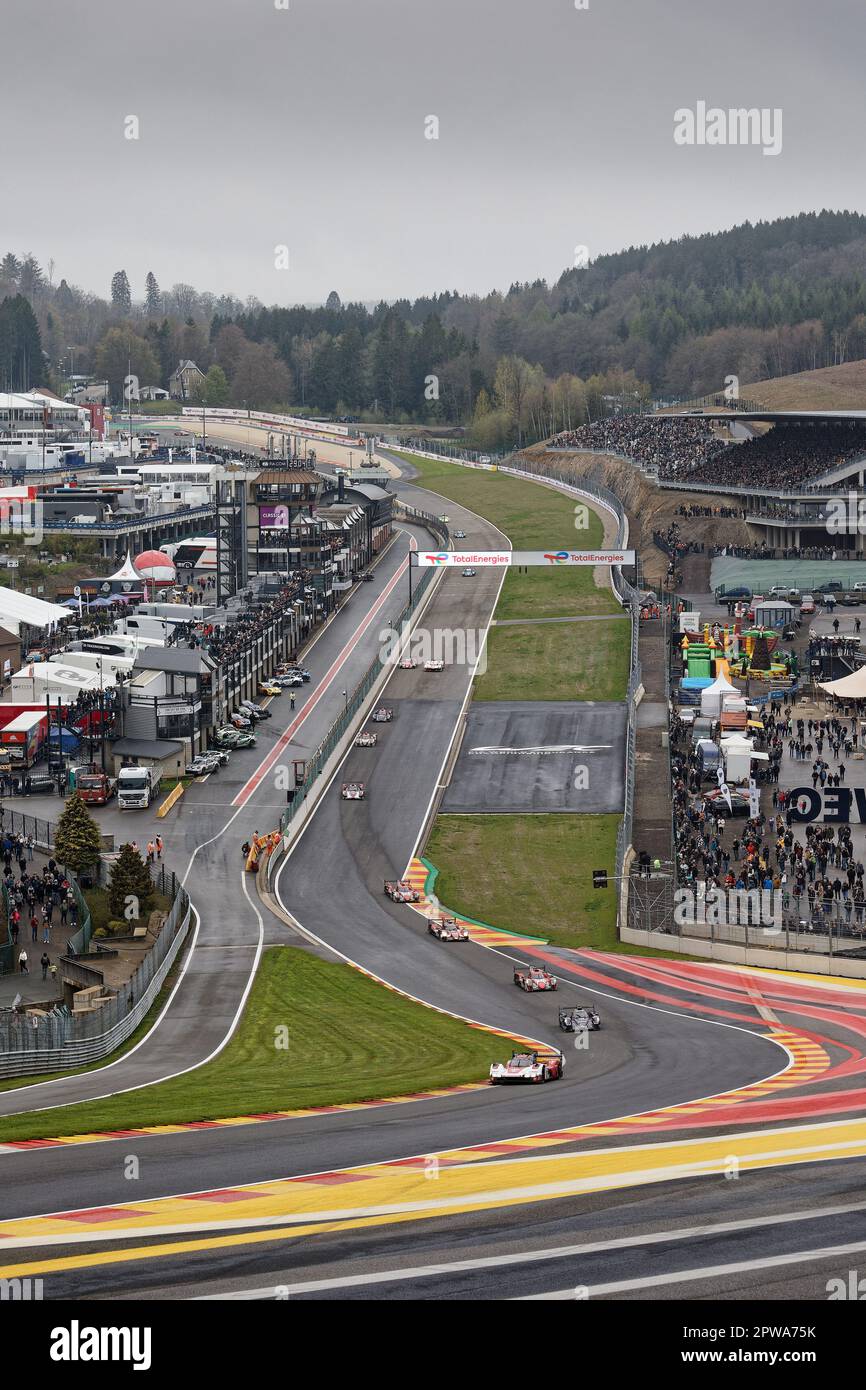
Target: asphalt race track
(539, 757)
(678, 1157)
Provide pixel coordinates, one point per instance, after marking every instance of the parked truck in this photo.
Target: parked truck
(23, 737)
(137, 786)
(94, 786)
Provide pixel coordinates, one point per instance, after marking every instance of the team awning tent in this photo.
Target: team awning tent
(851, 687)
(24, 608)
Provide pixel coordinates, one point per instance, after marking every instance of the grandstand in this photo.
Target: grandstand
(787, 468)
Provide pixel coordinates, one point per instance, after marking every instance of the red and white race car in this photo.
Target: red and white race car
(447, 929)
(353, 791)
(434, 665)
(528, 1066)
(533, 979)
(382, 716)
(368, 740)
(408, 663)
(401, 891)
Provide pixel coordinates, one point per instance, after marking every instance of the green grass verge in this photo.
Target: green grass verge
(348, 1039)
(529, 873)
(533, 518)
(557, 661)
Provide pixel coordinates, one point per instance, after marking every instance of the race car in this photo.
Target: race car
(268, 688)
(528, 1066)
(353, 791)
(408, 663)
(447, 929)
(533, 979)
(401, 891)
(434, 665)
(368, 740)
(382, 716)
(459, 535)
(579, 1018)
(469, 573)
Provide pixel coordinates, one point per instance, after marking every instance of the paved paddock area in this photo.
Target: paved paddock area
(539, 757)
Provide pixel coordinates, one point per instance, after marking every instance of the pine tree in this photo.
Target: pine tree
(78, 841)
(10, 268)
(152, 296)
(129, 884)
(121, 295)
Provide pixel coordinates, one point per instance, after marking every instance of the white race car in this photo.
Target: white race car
(533, 979)
(447, 929)
(353, 791)
(528, 1066)
(401, 891)
(367, 740)
(382, 716)
(434, 665)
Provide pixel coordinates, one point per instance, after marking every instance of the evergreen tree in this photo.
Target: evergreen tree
(129, 884)
(31, 281)
(78, 841)
(10, 268)
(121, 294)
(152, 296)
(22, 360)
(216, 387)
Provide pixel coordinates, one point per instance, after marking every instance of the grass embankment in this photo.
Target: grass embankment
(557, 661)
(529, 874)
(347, 1039)
(533, 518)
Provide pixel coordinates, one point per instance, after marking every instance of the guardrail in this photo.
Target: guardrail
(31, 1045)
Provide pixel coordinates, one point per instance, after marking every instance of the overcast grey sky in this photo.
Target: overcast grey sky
(306, 127)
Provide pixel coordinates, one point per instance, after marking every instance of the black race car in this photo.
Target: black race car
(579, 1018)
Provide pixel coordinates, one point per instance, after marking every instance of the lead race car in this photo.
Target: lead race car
(534, 980)
(401, 891)
(353, 791)
(367, 740)
(447, 929)
(382, 716)
(579, 1018)
(434, 665)
(528, 1066)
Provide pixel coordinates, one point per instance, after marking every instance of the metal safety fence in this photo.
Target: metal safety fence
(62, 1037)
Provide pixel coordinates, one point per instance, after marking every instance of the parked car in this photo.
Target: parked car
(255, 711)
(202, 766)
(270, 688)
(808, 604)
(737, 595)
(240, 720)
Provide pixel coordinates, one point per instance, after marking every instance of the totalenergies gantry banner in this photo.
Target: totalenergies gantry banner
(496, 558)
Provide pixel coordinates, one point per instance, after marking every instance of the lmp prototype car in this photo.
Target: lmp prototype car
(579, 1018)
(434, 665)
(447, 929)
(528, 1066)
(534, 979)
(469, 573)
(366, 740)
(401, 891)
(382, 716)
(353, 791)
(408, 663)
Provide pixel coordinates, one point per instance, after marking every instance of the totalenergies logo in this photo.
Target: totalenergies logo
(559, 557)
(438, 558)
